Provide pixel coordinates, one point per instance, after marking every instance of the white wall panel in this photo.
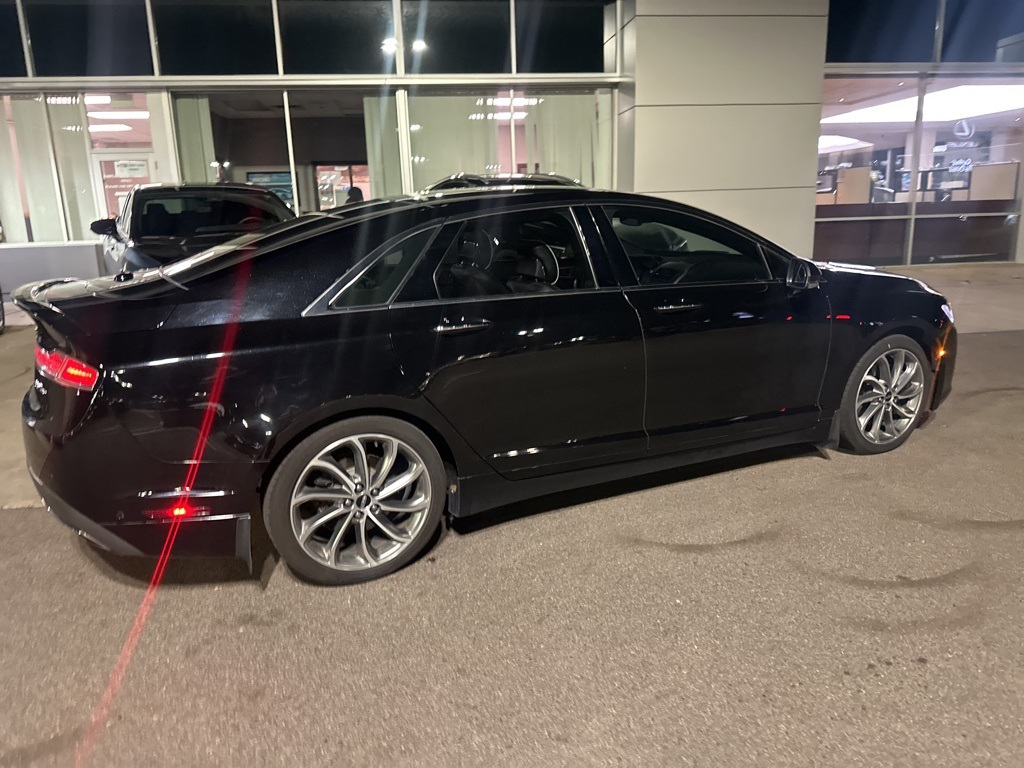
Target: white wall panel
(736, 147)
(729, 60)
(731, 7)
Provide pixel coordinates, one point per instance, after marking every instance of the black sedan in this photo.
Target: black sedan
(354, 375)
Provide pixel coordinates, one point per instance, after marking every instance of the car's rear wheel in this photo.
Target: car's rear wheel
(356, 500)
(885, 397)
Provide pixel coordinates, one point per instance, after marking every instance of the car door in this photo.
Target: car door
(732, 351)
(531, 354)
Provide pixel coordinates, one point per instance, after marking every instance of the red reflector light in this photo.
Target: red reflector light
(177, 512)
(66, 370)
(842, 317)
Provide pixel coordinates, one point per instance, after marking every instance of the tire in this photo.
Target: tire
(336, 520)
(901, 405)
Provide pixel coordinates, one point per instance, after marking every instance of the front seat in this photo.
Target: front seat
(156, 221)
(537, 273)
(469, 274)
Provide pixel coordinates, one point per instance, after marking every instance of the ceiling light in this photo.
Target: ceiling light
(61, 99)
(95, 99)
(129, 114)
(389, 45)
(946, 106)
(419, 46)
(415, 127)
(111, 128)
(833, 143)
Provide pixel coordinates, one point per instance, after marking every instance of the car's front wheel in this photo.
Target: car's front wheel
(885, 397)
(356, 500)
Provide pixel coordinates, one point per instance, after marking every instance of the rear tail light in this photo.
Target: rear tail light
(66, 370)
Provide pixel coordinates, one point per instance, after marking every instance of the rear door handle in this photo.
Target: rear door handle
(683, 307)
(448, 328)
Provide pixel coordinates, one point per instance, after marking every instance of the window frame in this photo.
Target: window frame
(624, 267)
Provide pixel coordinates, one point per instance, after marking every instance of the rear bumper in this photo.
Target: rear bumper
(213, 536)
(82, 525)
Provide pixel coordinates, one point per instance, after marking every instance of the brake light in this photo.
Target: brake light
(66, 370)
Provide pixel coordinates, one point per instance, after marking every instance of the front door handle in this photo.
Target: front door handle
(448, 328)
(683, 307)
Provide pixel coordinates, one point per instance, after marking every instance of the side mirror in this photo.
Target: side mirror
(104, 227)
(803, 275)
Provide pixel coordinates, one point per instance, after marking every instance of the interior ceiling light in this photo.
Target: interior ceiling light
(129, 114)
(95, 99)
(111, 128)
(833, 143)
(946, 106)
(389, 45)
(419, 46)
(518, 101)
(61, 99)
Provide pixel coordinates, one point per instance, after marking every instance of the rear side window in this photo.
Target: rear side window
(379, 282)
(524, 252)
(281, 275)
(669, 247)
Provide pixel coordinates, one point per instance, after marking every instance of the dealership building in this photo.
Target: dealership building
(882, 132)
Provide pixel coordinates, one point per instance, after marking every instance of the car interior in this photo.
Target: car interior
(538, 252)
(663, 254)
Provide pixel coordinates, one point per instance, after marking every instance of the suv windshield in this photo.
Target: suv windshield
(182, 214)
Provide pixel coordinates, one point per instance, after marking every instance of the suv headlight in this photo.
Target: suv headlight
(949, 312)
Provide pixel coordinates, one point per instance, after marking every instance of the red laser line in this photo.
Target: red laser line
(101, 713)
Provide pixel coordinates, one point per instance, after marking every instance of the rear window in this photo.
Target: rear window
(208, 213)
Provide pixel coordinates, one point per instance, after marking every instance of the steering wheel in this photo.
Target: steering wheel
(250, 220)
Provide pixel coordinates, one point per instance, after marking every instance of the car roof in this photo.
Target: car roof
(475, 201)
(189, 187)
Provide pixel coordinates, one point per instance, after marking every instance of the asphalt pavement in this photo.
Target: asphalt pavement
(790, 608)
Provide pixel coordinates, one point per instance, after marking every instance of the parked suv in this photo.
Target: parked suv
(162, 223)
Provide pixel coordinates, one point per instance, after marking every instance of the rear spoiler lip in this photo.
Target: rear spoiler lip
(27, 296)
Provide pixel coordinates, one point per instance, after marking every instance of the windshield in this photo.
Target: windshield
(207, 213)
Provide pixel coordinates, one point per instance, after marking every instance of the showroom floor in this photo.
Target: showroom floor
(779, 610)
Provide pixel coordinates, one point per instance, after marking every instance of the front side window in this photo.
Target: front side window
(523, 252)
(668, 247)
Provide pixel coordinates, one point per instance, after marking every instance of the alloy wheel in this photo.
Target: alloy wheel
(889, 396)
(360, 502)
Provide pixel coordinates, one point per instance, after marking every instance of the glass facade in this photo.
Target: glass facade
(215, 37)
(896, 189)
(104, 38)
(560, 35)
(512, 131)
(336, 36)
(456, 36)
(12, 57)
